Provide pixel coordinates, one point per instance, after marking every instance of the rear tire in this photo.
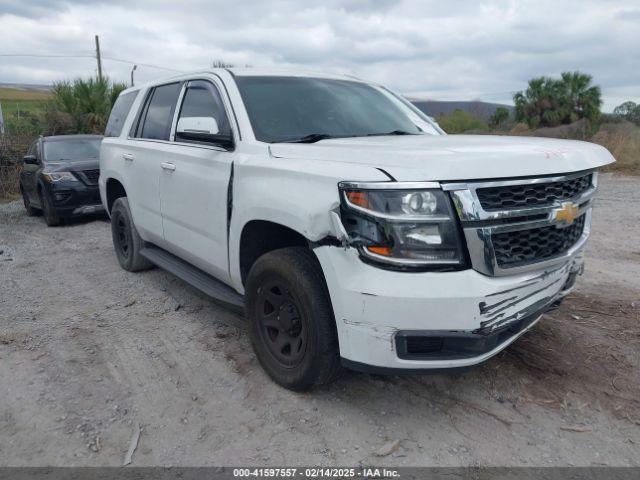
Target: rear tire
(126, 240)
(291, 321)
(48, 211)
(31, 211)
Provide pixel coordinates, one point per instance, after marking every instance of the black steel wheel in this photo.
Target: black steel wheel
(282, 327)
(291, 324)
(126, 241)
(122, 239)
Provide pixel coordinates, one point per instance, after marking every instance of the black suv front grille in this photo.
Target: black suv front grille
(532, 195)
(92, 175)
(535, 244)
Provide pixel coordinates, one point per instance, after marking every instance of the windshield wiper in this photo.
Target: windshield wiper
(393, 132)
(312, 138)
(316, 137)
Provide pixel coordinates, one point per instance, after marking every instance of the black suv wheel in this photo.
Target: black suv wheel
(126, 241)
(292, 328)
(31, 211)
(48, 211)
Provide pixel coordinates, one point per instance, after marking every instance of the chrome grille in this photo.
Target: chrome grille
(531, 195)
(523, 235)
(535, 244)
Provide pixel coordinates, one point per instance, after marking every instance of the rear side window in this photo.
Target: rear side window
(119, 114)
(161, 105)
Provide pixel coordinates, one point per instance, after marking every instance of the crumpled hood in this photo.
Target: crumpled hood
(454, 157)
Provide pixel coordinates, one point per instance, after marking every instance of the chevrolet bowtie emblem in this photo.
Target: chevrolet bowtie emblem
(566, 214)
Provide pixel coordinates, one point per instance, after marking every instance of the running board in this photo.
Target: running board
(195, 277)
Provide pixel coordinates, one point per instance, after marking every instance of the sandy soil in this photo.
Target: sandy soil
(88, 352)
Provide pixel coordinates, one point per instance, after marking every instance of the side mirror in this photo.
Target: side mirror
(30, 159)
(202, 129)
(197, 126)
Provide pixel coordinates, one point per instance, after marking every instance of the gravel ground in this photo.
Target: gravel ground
(89, 353)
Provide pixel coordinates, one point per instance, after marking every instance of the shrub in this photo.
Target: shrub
(500, 118)
(13, 146)
(623, 141)
(460, 121)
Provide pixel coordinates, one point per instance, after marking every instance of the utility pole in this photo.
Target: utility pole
(133, 70)
(98, 58)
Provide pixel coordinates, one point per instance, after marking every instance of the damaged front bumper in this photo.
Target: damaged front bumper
(398, 321)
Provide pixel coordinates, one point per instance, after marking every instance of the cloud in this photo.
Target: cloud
(448, 50)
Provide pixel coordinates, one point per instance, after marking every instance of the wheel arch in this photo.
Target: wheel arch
(114, 189)
(259, 237)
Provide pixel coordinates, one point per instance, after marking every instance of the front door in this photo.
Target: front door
(194, 186)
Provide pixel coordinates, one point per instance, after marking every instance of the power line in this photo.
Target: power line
(38, 55)
(53, 55)
(142, 64)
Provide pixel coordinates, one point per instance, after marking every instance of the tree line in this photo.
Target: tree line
(83, 106)
(547, 102)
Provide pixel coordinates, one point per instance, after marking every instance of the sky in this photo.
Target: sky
(441, 50)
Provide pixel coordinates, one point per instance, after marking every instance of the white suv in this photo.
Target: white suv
(349, 228)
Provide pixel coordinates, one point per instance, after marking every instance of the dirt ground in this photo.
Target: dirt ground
(89, 352)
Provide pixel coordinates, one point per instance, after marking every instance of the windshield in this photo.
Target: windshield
(77, 149)
(293, 109)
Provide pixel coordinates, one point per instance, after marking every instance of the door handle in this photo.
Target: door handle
(128, 157)
(168, 166)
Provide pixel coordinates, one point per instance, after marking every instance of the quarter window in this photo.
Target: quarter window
(159, 112)
(119, 114)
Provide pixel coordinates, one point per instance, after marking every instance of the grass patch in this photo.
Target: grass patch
(16, 94)
(23, 108)
(16, 108)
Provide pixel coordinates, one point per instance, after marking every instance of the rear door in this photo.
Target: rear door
(144, 155)
(194, 185)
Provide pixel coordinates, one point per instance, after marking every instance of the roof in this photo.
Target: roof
(59, 138)
(284, 72)
(248, 71)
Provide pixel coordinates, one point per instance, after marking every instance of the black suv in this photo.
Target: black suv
(59, 177)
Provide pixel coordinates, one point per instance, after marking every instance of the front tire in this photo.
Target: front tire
(48, 211)
(31, 211)
(291, 321)
(126, 240)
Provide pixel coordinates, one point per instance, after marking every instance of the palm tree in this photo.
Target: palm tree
(539, 104)
(549, 102)
(88, 102)
(581, 100)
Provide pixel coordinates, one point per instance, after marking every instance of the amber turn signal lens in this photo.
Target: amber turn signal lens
(385, 251)
(359, 198)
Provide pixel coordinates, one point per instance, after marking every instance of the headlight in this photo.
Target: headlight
(59, 176)
(402, 225)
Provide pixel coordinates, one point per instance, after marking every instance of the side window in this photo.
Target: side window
(202, 99)
(119, 114)
(33, 150)
(156, 121)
